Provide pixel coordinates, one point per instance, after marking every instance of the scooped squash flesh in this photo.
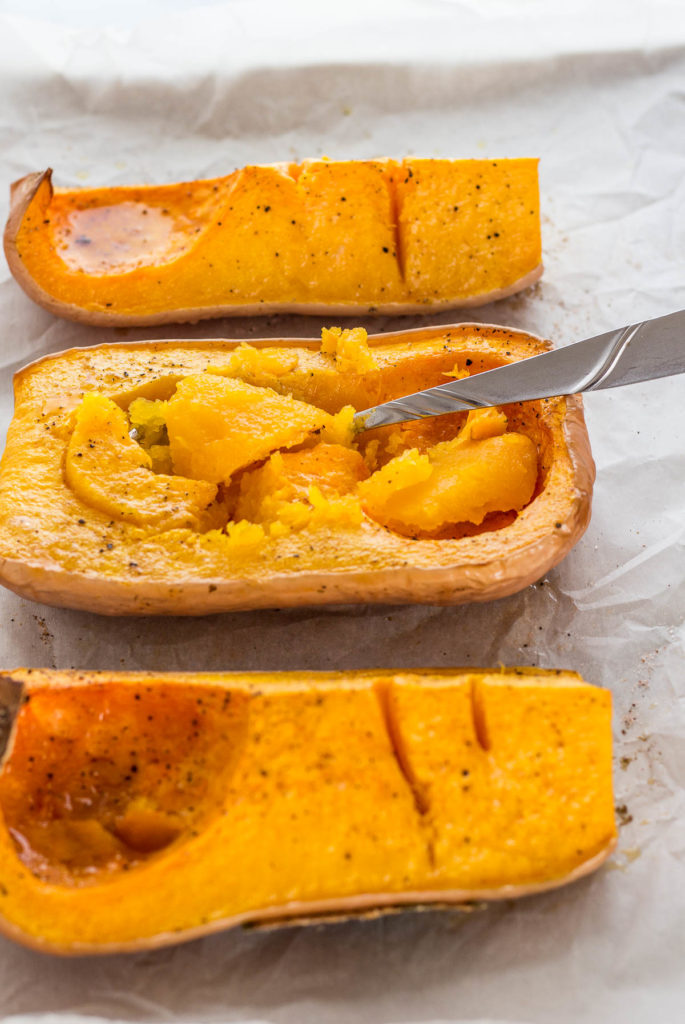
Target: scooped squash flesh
(368, 236)
(218, 425)
(288, 477)
(456, 481)
(303, 510)
(277, 796)
(110, 472)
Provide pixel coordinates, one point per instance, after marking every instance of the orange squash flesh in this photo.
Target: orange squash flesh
(317, 539)
(111, 473)
(345, 237)
(219, 425)
(141, 810)
(287, 477)
(453, 482)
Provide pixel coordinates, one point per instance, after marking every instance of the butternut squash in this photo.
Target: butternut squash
(192, 477)
(139, 810)
(345, 237)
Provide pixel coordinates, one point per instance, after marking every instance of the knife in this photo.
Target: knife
(644, 351)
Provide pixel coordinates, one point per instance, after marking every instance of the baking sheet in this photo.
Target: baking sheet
(597, 93)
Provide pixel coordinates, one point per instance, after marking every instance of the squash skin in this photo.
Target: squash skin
(183, 890)
(387, 569)
(46, 278)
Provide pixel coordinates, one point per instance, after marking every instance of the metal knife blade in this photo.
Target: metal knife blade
(644, 351)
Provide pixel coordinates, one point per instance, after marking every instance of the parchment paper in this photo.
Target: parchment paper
(165, 94)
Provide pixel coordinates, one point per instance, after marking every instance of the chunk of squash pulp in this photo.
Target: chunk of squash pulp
(112, 473)
(343, 237)
(218, 425)
(248, 797)
(456, 481)
(289, 477)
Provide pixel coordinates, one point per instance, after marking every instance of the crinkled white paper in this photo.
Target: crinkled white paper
(597, 92)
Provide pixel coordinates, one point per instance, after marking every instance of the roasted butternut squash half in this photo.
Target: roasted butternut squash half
(188, 477)
(345, 237)
(141, 810)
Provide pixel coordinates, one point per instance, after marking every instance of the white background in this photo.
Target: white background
(165, 91)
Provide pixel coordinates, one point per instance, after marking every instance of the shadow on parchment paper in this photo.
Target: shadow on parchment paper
(529, 628)
(405, 967)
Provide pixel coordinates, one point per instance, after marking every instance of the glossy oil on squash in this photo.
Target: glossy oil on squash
(189, 477)
(343, 237)
(141, 810)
